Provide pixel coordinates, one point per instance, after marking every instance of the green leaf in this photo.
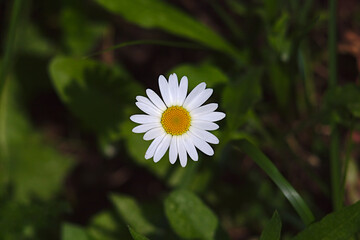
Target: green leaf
(73, 232)
(189, 216)
(161, 15)
(136, 235)
(204, 72)
(334, 226)
(289, 192)
(272, 230)
(80, 34)
(99, 95)
(132, 214)
(32, 42)
(32, 166)
(241, 95)
(30, 220)
(136, 147)
(104, 226)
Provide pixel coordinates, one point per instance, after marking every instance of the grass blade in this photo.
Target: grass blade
(149, 42)
(10, 43)
(290, 193)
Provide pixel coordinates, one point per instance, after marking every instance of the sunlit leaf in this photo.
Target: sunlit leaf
(132, 214)
(159, 14)
(335, 226)
(136, 235)
(189, 216)
(272, 230)
(73, 232)
(104, 226)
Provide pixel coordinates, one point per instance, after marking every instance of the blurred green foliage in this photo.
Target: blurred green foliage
(62, 113)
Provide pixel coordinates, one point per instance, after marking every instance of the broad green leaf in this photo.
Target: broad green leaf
(35, 168)
(98, 95)
(73, 232)
(104, 226)
(80, 34)
(136, 235)
(189, 216)
(137, 146)
(161, 15)
(196, 74)
(31, 41)
(240, 95)
(132, 214)
(270, 169)
(272, 230)
(334, 226)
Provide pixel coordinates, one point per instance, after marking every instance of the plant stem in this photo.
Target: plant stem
(335, 166)
(5, 67)
(10, 43)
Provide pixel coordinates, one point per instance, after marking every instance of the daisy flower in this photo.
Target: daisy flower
(178, 121)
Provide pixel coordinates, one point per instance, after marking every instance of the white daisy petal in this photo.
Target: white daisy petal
(164, 89)
(153, 133)
(186, 120)
(173, 88)
(155, 99)
(205, 109)
(205, 125)
(148, 109)
(213, 117)
(153, 146)
(194, 94)
(182, 151)
(200, 99)
(182, 91)
(205, 135)
(173, 152)
(202, 145)
(162, 148)
(190, 148)
(146, 101)
(142, 118)
(145, 127)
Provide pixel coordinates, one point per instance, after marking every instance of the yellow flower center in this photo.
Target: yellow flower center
(176, 120)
